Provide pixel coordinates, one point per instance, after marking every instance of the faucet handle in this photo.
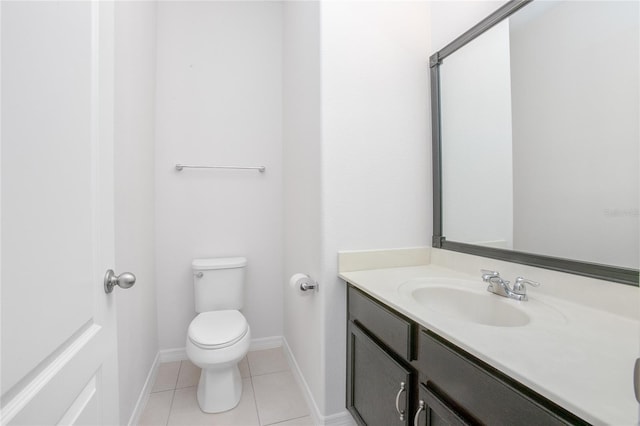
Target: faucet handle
(519, 285)
(487, 274)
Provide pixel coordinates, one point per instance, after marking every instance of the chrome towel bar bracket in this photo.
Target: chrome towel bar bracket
(179, 167)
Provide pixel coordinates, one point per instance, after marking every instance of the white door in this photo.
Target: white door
(59, 359)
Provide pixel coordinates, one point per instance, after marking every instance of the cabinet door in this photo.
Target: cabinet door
(433, 410)
(378, 387)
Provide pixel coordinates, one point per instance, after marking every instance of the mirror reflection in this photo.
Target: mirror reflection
(540, 134)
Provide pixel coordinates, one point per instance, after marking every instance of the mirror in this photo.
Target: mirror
(537, 139)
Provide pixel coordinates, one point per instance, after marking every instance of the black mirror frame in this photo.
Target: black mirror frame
(605, 272)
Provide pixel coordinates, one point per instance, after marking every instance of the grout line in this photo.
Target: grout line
(308, 414)
(158, 374)
(173, 396)
(186, 387)
(271, 372)
(274, 372)
(255, 400)
(248, 365)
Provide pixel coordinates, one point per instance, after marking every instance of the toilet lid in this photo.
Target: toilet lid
(217, 329)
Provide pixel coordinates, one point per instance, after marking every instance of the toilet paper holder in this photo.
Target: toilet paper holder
(303, 283)
(309, 284)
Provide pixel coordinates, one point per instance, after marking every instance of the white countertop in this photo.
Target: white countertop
(582, 359)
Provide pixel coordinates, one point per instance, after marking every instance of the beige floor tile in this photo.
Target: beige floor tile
(278, 398)
(167, 376)
(156, 412)
(243, 365)
(267, 361)
(185, 410)
(301, 421)
(189, 375)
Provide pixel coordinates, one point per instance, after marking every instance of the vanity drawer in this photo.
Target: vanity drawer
(476, 388)
(390, 328)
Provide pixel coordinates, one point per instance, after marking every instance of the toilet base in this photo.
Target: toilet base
(220, 384)
(219, 389)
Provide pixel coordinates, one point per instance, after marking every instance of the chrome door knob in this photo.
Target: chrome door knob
(124, 280)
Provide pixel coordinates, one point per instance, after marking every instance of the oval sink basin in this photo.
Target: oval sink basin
(470, 302)
(479, 308)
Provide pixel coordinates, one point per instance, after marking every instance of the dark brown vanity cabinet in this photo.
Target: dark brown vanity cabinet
(381, 381)
(399, 373)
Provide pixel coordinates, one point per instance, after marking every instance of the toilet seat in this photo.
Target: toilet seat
(217, 329)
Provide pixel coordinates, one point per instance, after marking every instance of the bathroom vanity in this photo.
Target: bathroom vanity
(521, 186)
(392, 358)
(407, 363)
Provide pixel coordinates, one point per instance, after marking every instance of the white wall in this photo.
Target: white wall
(302, 156)
(219, 101)
(376, 165)
(357, 161)
(135, 48)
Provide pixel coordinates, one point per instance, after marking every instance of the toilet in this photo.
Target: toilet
(219, 336)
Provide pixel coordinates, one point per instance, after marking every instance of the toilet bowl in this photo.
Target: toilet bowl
(216, 343)
(219, 336)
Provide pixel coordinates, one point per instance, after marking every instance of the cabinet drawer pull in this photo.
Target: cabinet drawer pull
(636, 379)
(416, 419)
(401, 412)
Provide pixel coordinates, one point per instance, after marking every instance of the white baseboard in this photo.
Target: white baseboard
(146, 391)
(339, 419)
(171, 355)
(265, 343)
(297, 375)
(180, 354)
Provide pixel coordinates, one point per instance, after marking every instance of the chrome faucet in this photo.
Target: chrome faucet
(501, 287)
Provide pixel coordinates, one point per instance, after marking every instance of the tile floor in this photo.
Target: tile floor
(270, 395)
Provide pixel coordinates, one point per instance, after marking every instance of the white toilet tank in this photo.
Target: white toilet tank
(218, 283)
